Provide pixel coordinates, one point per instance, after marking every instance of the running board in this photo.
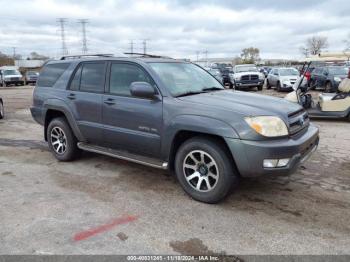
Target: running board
(147, 161)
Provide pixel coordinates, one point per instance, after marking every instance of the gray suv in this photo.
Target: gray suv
(169, 114)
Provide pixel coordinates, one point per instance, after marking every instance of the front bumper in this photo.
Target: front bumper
(249, 155)
(248, 83)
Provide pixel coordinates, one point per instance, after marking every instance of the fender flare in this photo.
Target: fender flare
(61, 106)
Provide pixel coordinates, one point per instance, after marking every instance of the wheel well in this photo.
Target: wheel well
(184, 135)
(51, 114)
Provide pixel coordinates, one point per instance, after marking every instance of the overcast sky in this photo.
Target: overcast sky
(175, 28)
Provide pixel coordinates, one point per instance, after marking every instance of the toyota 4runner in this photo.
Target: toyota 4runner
(169, 114)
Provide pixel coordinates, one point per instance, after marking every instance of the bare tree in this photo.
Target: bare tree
(346, 50)
(315, 44)
(250, 55)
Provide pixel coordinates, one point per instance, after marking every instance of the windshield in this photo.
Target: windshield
(338, 70)
(183, 78)
(214, 71)
(288, 72)
(246, 69)
(31, 73)
(11, 72)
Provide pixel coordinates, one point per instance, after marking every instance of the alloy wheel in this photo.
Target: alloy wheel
(201, 171)
(58, 140)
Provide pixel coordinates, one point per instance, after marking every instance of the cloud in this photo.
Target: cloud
(176, 28)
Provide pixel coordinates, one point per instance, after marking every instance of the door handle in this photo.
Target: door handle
(109, 101)
(71, 96)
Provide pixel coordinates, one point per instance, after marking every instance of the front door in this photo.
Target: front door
(130, 123)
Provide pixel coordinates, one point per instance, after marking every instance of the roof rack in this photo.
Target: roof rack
(87, 55)
(148, 55)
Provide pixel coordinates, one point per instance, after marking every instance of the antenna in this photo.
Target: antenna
(62, 22)
(83, 23)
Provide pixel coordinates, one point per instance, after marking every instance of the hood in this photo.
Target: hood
(246, 104)
(9, 76)
(246, 73)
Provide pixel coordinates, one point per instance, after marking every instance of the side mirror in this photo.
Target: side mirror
(142, 90)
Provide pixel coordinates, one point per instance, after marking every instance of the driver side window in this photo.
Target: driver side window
(122, 75)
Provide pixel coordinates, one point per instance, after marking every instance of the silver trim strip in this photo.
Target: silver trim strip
(95, 150)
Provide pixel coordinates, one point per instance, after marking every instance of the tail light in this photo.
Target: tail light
(307, 75)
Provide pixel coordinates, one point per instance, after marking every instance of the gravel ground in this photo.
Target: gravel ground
(101, 205)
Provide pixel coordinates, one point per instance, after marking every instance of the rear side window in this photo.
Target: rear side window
(92, 77)
(50, 74)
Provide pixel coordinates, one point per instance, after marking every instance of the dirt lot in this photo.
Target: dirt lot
(101, 205)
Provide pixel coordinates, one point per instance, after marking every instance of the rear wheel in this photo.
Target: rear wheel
(61, 140)
(2, 112)
(204, 170)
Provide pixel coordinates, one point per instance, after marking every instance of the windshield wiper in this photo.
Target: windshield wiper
(189, 93)
(213, 88)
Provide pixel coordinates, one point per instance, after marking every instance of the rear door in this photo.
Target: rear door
(85, 99)
(131, 124)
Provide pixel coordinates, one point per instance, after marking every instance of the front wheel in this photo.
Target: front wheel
(2, 111)
(204, 170)
(268, 86)
(278, 86)
(61, 140)
(260, 88)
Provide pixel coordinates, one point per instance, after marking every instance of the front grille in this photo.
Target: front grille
(298, 121)
(14, 78)
(249, 78)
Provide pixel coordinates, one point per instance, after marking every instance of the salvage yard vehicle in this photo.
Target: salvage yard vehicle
(2, 111)
(169, 114)
(328, 77)
(247, 76)
(282, 78)
(329, 105)
(9, 75)
(30, 77)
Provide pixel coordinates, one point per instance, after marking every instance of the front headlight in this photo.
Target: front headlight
(270, 126)
(337, 79)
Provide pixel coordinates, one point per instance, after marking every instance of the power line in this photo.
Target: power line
(62, 22)
(83, 23)
(14, 52)
(144, 44)
(131, 46)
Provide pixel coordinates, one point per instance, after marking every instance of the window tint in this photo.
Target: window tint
(50, 74)
(92, 77)
(74, 85)
(122, 75)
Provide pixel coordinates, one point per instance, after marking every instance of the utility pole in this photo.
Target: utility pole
(131, 46)
(197, 55)
(83, 23)
(206, 57)
(144, 43)
(14, 53)
(62, 22)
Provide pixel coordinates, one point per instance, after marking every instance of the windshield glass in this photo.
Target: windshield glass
(32, 73)
(338, 70)
(182, 78)
(214, 71)
(246, 69)
(288, 72)
(11, 72)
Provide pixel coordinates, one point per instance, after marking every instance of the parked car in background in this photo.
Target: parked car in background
(9, 75)
(328, 77)
(169, 114)
(2, 111)
(263, 71)
(226, 73)
(216, 73)
(30, 77)
(282, 79)
(247, 76)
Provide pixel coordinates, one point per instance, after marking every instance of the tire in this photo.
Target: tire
(328, 87)
(60, 131)
(2, 111)
(268, 86)
(4, 84)
(278, 86)
(211, 190)
(312, 84)
(260, 88)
